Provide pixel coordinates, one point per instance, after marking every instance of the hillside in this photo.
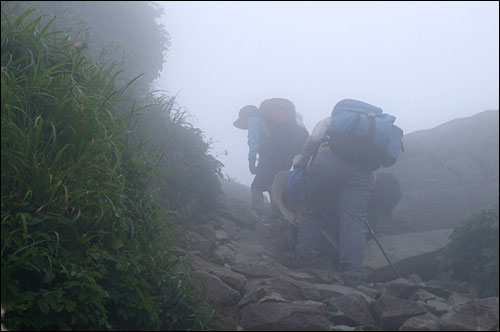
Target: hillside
(448, 172)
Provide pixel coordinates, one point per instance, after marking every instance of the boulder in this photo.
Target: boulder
(410, 253)
(437, 290)
(327, 276)
(457, 299)
(475, 315)
(372, 292)
(422, 295)
(197, 244)
(402, 288)
(436, 307)
(213, 290)
(425, 322)
(234, 280)
(335, 290)
(240, 214)
(260, 269)
(227, 225)
(391, 312)
(242, 253)
(352, 310)
(221, 235)
(288, 288)
(283, 316)
(206, 230)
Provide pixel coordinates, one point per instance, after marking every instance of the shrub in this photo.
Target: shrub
(84, 245)
(472, 254)
(188, 177)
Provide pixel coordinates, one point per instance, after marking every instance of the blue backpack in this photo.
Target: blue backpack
(296, 185)
(363, 134)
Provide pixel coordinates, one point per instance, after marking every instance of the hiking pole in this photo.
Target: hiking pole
(382, 249)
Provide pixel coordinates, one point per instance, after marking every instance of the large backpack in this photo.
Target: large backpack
(286, 137)
(362, 133)
(278, 111)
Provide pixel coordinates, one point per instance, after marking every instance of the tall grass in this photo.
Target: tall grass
(83, 243)
(188, 177)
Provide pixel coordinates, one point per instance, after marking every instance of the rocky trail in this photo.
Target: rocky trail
(242, 268)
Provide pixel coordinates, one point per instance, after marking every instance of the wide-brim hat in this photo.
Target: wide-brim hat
(245, 113)
(289, 208)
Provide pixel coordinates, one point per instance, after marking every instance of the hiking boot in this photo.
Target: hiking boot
(351, 279)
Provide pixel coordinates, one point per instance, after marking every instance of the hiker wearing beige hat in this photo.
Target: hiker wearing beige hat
(274, 138)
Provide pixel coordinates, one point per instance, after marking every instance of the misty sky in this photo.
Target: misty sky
(424, 62)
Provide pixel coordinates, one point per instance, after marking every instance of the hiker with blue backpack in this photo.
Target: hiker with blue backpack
(338, 161)
(276, 135)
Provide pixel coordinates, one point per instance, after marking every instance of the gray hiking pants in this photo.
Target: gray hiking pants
(333, 181)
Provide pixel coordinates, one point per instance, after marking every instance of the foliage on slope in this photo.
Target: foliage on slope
(472, 254)
(84, 242)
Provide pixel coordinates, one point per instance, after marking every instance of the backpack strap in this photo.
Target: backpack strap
(355, 124)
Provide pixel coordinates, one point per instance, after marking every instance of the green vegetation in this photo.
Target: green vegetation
(188, 177)
(90, 189)
(472, 254)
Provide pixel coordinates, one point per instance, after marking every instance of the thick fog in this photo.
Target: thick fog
(424, 62)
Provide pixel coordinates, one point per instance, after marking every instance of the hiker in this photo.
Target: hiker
(341, 174)
(386, 194)
(276, 135)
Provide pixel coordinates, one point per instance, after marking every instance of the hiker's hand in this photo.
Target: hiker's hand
(251, 164)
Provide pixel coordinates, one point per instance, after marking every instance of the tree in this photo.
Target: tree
(128, 28)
